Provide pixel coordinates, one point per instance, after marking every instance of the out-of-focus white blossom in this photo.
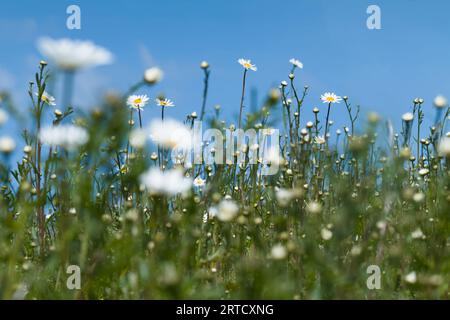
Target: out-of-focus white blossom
(66, 136)
(170, 182)
(153, 75)
(171, 134)
(70, 54)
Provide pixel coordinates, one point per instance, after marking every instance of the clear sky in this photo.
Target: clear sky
(381, 70)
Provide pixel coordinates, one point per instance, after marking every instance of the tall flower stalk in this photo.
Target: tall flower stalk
(205, 67)
(247, 66)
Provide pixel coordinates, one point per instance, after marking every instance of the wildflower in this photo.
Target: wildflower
(272, 156)
(424, 171)
(296, 63)
(440, 102)
(227, 210)
(199, 182)
(137, 101)
(373, 117)
(314, 207)
(411, 277)
(67, 136)
(319, 140)
(138, 138)
(3, 117)
(204, 65)
(418, 197)
(171, 134)
(329, 97)
(278, 252)
(153, 75)
(407, 117)
(247, 64)
(168, 183)
(285, 196)
(326, 234)
(7, 144)
(74, 54)
(444, 147)
(73, 211)
(284, 83)
(165, 103)
(27, 149)
(417, 234)
(47, 98)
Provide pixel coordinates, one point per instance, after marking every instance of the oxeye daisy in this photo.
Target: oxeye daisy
(330, 97)
(165, 103)
(137, 101)
(296, 63)
(247, 64)
(47, 98)
(319, 140)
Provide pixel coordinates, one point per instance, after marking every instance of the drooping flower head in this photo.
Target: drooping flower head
(296, 63)
(247, 64)
(330, 97)
(137, 101)
(70, 54)
(165, 103)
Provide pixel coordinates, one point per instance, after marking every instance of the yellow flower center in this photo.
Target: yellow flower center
(330, 99)
(247, 65)
(137, 101)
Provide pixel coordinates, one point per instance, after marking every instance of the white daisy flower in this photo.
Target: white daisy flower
(278, 252)
(407, 117)
(440, 101)
(153, 75)
(444, 147)
(326, 234)
(137, 101)
(319, 140)
(285, 196)
(296, 63)
(171, 134)
(138, 138)
(165, 103)
(170, 183)
(70, 54)
(47, 98)
(227, 210)
(424, 171)
(330, 97)
(199, 182)
(66, 136)
(411, 277)
(7, 144)
(247, 64)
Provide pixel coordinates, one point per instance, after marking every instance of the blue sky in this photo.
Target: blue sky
(381, 70)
